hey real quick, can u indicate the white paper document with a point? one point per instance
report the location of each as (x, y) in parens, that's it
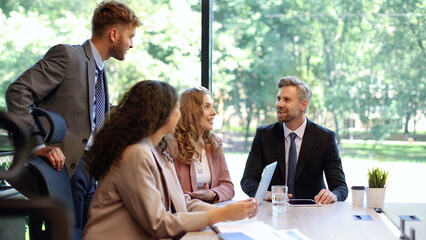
(256, 230)
(291, 234)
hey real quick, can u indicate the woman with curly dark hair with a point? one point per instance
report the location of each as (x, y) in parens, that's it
(138, 195)
(197, 152)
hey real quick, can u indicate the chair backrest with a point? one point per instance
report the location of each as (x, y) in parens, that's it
(39, 178)
(49, 192)
(57, 127)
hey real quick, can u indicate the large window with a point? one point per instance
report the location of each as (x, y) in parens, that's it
(166, 48)
(365, 61)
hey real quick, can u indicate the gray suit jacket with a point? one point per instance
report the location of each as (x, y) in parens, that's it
(62, 82)
(318, 155)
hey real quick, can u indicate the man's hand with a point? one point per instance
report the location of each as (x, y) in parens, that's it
(268, 196)
(325, 197)
(55, 156)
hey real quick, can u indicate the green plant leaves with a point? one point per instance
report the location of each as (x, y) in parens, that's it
(377, 177)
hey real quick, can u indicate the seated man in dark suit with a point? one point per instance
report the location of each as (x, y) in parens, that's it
(304, 150)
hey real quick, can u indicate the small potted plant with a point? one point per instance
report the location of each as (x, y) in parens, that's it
(377, 182)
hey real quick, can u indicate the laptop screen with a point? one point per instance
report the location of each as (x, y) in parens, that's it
(264, 182)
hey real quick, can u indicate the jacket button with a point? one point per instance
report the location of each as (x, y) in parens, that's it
(72, 165)
(85, 141)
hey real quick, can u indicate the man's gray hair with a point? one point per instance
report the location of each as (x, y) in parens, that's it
(303, 89)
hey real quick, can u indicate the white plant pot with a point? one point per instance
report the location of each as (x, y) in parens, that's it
(375, 197)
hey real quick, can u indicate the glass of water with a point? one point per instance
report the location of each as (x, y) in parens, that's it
(279, 199)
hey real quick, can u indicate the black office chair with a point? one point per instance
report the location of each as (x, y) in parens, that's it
(38, 178)
(48, 191)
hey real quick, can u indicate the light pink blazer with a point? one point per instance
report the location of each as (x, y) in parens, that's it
(133, 200)
(220, 180)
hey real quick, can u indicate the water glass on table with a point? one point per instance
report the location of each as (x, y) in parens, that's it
(279, 199)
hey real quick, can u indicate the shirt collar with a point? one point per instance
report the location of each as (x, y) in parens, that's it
(299, 131)
(97, 56)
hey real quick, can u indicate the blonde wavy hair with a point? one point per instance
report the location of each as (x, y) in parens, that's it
(189, 129)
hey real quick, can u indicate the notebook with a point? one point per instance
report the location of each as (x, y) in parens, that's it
(264, 182)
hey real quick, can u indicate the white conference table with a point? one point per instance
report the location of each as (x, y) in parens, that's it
(337, 221)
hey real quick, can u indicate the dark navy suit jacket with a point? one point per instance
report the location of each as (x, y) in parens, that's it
(318, 154)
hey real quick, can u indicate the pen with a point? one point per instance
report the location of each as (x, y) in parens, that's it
(253, 200)
(214, 229)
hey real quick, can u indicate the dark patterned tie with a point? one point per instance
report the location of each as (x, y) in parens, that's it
(99, 100)
(292, 162)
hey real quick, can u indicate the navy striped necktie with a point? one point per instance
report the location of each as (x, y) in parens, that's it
(99, 100)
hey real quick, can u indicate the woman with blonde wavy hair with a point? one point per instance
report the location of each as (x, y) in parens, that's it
(197, 152)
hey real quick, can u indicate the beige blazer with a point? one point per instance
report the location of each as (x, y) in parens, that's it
(133, 201)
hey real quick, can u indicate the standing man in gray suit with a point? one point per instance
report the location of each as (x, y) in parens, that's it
(70, 80)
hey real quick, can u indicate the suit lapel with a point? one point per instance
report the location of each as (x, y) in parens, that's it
(90, 74)
(279, 144)
(193, 177)
(308, 142)
(170, 183)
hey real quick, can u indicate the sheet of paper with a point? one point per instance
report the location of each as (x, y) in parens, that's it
(234, 236)
(291, 234)
(242, 226)
(256, 230)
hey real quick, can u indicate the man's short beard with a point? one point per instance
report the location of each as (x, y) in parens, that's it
(117, 50)
(286, 120)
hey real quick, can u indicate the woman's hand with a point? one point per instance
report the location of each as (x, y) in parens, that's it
(205, 194)
(234, 211)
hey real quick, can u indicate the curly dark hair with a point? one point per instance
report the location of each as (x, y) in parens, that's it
(144, 109)
(189, 129)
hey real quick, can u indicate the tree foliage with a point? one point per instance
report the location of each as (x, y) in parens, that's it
(363, 59)
(166, 48)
